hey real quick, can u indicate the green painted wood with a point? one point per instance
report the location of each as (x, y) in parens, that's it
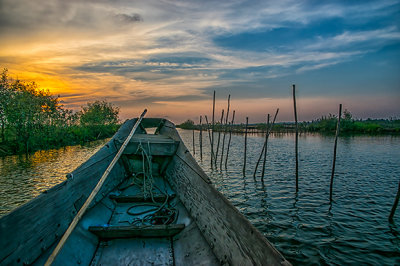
(139, 198)
(129, 231)
(156, 145)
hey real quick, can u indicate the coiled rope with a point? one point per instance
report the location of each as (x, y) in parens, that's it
(158, 212)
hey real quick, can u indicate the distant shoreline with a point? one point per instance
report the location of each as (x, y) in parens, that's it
(324, 126)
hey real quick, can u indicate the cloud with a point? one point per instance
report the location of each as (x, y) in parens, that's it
(371, 38)
(129, 18)
(150, 50)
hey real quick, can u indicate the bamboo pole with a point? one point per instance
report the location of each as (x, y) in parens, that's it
(265, 150)
(212, 136)
(334, 152)
(225, 131)
(209, 136)
(396, 202)
(245, 147)
(267, 131)
(85, 206)
(194, 150)
(296, 138)
(219, 138)
(201, 140)
(230, 137)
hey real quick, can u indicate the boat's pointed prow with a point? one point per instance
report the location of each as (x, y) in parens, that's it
(157, 206)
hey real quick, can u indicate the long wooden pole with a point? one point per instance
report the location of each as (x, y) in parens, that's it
(85, 206)
(265, 151)
(225, 131)
(296, 139)
(212, 135)
(267, 131)
(201, 140)
(219, 137)
(194, 149)
(245, 147)
(229, 141)
(209, 136)
(396, 202)
(334, 152)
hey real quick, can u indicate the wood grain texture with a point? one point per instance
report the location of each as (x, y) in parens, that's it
(232, 237)
(32, 228)
(130, 231)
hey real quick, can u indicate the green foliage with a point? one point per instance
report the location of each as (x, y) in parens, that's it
(33, 119)
(350, 126)
(188, 124)
(99, 113)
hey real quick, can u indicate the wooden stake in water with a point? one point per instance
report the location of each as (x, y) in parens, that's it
(265, 150)
(194, 150)
(225, 131)
(219, 137)
(201, 140)
(212, 135)
(334, 152)
(296, 139)
(230, 137)
(396, 202)
(245, 147)
(267, 131)
(209, 136)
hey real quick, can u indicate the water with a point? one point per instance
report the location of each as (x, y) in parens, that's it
(23, 178)
(305, 228)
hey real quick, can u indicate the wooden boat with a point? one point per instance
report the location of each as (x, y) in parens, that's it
(157, 207)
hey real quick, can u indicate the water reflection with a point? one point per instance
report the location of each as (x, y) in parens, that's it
(305, 227)
(24, 177)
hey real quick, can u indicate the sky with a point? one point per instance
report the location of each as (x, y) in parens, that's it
(169, 56)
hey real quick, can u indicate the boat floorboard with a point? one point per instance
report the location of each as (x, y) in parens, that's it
(136, 251)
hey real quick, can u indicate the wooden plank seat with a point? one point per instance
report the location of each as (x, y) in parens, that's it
(159, 145)
(130, 231)
(139, 198)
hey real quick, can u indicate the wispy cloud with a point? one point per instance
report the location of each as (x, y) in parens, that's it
(144, 50)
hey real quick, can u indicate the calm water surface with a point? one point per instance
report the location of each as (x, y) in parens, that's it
(305, 228)
(22, 177)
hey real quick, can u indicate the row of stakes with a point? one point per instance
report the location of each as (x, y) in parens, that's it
(227, 127)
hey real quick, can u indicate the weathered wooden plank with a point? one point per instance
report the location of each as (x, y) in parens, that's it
(152, 144)
(156, 149)
(190, 247)
(139, 198)
(232, 237)
(128, 231)
(32, 228)
(136, 251)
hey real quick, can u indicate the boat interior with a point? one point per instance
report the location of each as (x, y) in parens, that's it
(141, 221)
(156, 207)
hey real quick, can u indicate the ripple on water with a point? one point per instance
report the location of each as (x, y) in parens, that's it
(22, 177)
(306, 228)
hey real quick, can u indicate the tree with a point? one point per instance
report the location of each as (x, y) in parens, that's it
(99, 113)
(30, 110)
(4, 100)
(188, 124)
